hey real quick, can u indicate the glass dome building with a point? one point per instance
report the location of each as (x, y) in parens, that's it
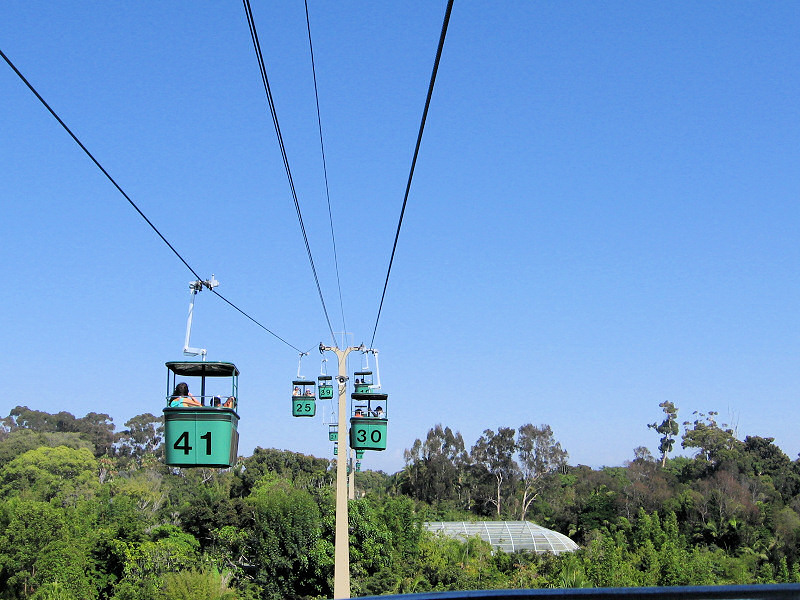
(508, 536)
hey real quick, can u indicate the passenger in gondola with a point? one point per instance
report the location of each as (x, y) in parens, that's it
(216, 401)
(229, 402)
(182, 397)
(309, 393)
(358, 413)
(378, 412)
(296, 391)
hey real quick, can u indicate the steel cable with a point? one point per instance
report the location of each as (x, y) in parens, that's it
(325, 167)
(414, 160)
(265, 80)
(128, 198)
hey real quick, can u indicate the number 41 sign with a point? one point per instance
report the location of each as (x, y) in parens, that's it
(201, 438)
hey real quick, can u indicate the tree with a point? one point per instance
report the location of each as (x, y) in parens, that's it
(539, 455)
(284, 539)
(370, 547)
(434, 468)
(47, 473)
(31, 526)
(306, 471)
(169, 550)
(22, 417)
(716, 443)
(19, 441)
(198, 585)
(668, 429)
(647, 485)
(494, 455)
(766, 457)
(96, 428)
(143, 436)
(66, 562)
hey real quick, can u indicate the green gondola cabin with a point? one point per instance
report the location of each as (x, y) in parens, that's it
(369, 422)
(202, 430)
(362, 382)
(304, 400)
(325, 387)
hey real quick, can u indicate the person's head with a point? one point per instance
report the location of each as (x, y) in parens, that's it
(216, 401)
(378, 409)
(182, 389)
(358, 412)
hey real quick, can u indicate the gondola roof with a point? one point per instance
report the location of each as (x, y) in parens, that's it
(203, 368)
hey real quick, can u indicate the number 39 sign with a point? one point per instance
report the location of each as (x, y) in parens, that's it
(200, 437)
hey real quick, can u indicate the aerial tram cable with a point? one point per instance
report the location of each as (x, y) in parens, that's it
(325, 169)
(95, 161)
(130, 201)
(236, 308)
(414, 160)
(265, 81)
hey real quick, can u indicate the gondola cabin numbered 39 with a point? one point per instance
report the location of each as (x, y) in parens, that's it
(325, 387)
(201, 430)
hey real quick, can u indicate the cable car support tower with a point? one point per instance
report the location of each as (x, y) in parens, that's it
(341, 569)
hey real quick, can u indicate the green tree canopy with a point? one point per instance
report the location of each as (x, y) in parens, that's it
(48, 473)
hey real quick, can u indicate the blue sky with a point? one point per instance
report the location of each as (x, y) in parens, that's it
(604, 213)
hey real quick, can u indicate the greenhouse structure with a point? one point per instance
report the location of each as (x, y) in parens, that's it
(508, 536)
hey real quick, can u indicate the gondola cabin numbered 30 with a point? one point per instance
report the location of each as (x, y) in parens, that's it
(304, 400)
(201, 428)
(369, 421)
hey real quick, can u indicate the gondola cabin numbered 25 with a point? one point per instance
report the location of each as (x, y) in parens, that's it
(201, 428)
(369, 421)
(304, 400)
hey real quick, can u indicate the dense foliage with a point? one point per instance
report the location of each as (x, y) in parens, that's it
(87, 512)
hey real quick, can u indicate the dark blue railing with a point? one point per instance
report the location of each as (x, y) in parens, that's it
(783, 591)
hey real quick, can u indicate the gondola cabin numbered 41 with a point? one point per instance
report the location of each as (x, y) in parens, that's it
(369, 422)
(201, 430)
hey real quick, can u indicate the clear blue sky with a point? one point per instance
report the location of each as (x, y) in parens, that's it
(604, 214)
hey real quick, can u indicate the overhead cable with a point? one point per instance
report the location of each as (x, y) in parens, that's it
(95, 161)
(128, 198)
(325, 167)
(232, 305)
(414, 160)
(265, 81)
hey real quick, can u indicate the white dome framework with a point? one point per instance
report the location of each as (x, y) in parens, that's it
(508, 536)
